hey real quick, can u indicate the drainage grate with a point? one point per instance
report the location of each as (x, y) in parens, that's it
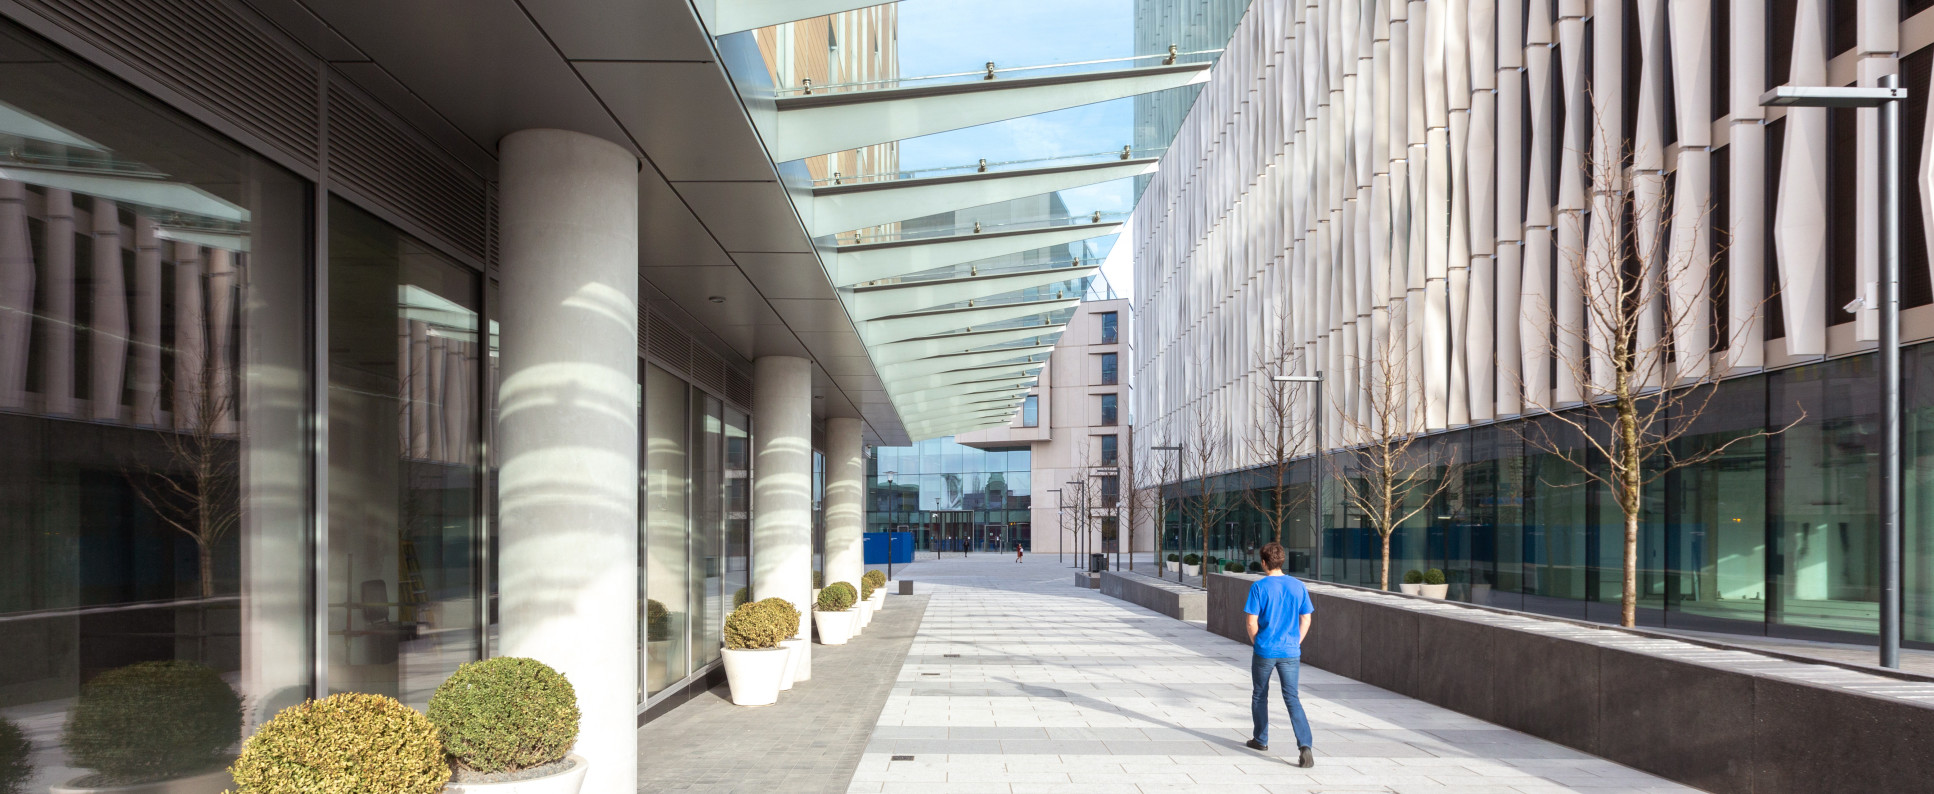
(903, 758)
(950, 656)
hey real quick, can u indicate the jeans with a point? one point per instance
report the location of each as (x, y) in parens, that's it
(1285, 669)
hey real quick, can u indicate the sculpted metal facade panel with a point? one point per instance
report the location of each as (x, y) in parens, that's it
(1427, 177)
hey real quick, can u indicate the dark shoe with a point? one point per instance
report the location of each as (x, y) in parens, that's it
(1256, 745)
(1304, 758)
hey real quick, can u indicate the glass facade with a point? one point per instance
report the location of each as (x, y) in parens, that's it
(1109, 369)
(1110, 328)
(1779, 535)
(1109, 409)
(1110, 450)
(155, 392)
(951, 497)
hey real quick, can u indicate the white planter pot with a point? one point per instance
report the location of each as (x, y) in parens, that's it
(205, 783)
(1191, 570)
(835, 628)
(795, 649)
(1436, 590)
(754, 675)
(866, 613)
(1411, 589)
(568, 781)
(879, 599)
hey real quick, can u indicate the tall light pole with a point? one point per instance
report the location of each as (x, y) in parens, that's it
(1080, 506)
(1316, 474)
(889, 529)
(1887, 98)
(1060, 519)
(1161, 512)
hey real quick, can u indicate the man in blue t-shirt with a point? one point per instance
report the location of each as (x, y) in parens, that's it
(1279, 612)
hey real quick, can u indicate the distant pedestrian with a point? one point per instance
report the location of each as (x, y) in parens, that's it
(1017, 551)
(1279, 612)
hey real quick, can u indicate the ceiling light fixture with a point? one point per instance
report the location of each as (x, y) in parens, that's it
(717, 299)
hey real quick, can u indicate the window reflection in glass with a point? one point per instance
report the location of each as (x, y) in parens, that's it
(708, 502)
(1031, 411)
(153, 391)
(1110, 333)
(666, 609)
(404, 424)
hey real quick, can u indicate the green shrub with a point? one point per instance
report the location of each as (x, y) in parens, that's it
(866, 589)
(785, 613)
(505, 714)
(15, 767)
(1255, 567)
(742, 597)
(1192, 559)
(753, 627)
(1434, 576)
(1232, 567)
(819, 579)
(836, 597)
(153, 721)
(1413, 576)
(1173, 557)
(343, 744)
(658, 622)
(878, 579)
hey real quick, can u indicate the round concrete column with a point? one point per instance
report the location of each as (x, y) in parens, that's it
(782, 482)
(845, 502)
(568, 430)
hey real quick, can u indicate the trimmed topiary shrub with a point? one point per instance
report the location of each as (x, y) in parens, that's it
(755, 626)
(1255, 567)
(1192, 559)
(836, 597)
(819, 579)
(878, 579)
(505, 714)
(153, 721)
(1413, 576)
(1433, 576)
(15, 767)
(1173, 557)
(866, 589)
(1232, 567)
(658, 622)
(785, 613)
(343, 744)
(742, 597)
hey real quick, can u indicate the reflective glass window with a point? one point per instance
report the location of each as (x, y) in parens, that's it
(1108, 375)
(154, 395)
(1108, 409)
(1031, 411)
(666, 612)
(1110, 452)
(1110, 333)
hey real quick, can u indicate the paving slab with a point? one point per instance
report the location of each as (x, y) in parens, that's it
(1016, 682)
(811, 741)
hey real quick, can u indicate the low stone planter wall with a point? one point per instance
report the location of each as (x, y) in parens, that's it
(1091, 581)
(1718, 719)
(1169, 598)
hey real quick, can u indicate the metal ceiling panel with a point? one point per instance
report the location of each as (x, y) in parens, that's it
(711, 140)
(671, 234)
(746, 216)
(622, 30)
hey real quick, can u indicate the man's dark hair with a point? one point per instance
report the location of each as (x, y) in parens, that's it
(1273, 556)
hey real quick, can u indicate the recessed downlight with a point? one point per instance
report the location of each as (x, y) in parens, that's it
(717, 299)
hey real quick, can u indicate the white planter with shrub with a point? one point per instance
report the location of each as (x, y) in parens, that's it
(755, 661)
(834, 615)
(795, 647)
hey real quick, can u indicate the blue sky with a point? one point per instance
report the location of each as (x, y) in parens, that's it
(946, 36)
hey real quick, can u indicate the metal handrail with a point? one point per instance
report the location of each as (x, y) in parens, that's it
(982, 166)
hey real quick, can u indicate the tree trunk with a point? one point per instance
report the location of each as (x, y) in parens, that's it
(1630, 601)
(207, 556)
(1383, 575)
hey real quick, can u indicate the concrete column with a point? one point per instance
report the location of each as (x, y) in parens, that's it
(782, 480)
(845, 501)
(568, 430)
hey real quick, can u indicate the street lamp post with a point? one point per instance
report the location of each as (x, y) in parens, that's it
(1060, 518)
(1886, 98)
(1316, 475)
(1161, 513)
(889, 530)
(1080, 506)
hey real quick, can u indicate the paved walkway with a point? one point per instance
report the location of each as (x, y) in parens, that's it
(1020, 682)
(808, 742)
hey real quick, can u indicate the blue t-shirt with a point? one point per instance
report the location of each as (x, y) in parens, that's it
(1278, 602)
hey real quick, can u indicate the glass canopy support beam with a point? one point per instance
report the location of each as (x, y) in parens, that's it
(872, 303)
(924, 324)
(949, 363)
(854, 265)
(925, 388)
(838, 208)
(915, 349)
(816, 124)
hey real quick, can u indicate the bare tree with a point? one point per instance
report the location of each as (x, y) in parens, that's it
(1393, 463)
(1144, 483)
(195, 487)
(1279, 432)
(1202, 458)
(1645, 368)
